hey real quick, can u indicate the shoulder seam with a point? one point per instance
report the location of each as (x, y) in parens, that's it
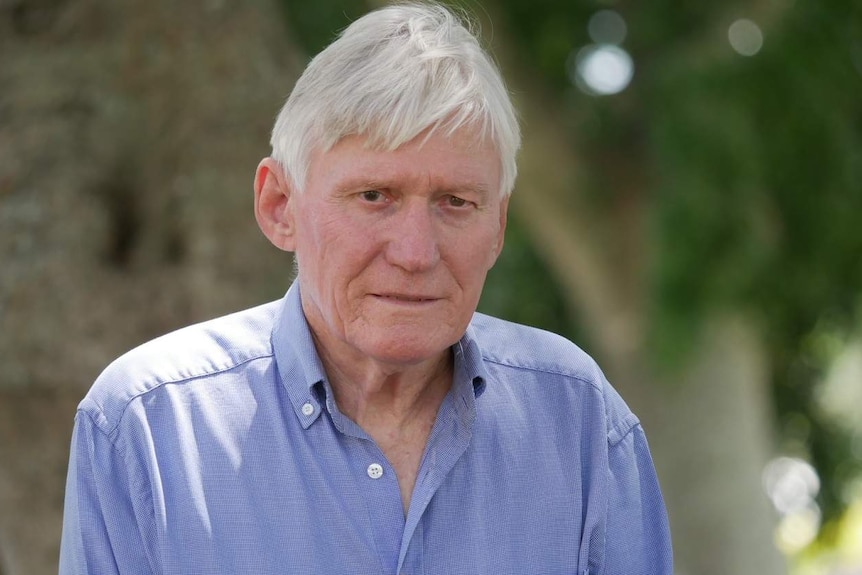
(98, 429)
(625, 427)
(589, 381)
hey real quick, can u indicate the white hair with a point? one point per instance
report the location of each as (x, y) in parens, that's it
(389, 76)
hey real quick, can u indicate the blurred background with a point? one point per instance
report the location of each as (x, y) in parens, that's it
(688, 211)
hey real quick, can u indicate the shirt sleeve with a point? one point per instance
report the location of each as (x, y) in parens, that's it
(101, 530)
(638, 536)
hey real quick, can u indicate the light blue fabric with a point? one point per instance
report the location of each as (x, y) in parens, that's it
(219, 449)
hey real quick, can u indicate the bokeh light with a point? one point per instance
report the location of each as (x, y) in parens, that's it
(792, 484)
(607, 27)
(602, 69)
(796, 531)
(745, 37)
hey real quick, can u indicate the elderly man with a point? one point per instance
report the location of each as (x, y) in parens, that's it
(371, 421)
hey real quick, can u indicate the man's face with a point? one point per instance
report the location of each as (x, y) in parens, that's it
(393, 247)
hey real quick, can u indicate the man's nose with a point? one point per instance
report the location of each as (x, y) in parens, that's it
(413, 244)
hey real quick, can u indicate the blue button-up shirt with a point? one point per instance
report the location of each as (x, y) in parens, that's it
(219, 449)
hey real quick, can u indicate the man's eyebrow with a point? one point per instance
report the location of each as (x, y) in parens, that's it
(359, 183)
(476, 188)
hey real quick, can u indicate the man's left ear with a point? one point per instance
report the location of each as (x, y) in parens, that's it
(272, 205)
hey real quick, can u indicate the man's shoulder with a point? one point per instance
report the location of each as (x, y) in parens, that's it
(563, 370)
(189, 353)
(524, 347)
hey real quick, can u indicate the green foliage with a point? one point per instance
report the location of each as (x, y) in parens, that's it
(806, 430)
(316, 24)
(760, 201)
(547, 31)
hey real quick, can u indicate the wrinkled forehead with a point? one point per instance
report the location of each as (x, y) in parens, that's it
(470, 138)
(463, 158)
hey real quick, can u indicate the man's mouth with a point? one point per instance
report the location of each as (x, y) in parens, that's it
(405, 298)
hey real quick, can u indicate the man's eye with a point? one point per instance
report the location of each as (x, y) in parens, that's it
(371, 196)
(457, 202)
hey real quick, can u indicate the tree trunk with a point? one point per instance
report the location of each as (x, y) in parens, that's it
(130, 134)
(709, 426)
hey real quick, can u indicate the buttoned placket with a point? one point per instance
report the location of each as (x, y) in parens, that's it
(399, 538)
(376, 482)
(449, 439)
(379, 486)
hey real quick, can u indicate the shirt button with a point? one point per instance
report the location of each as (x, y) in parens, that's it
(307, 409)
(375, 471)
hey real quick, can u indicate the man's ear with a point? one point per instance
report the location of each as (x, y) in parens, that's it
(273, 208)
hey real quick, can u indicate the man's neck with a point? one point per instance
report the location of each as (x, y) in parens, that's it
(379, 396)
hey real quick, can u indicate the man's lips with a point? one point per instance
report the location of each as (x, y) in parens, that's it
(406, 298)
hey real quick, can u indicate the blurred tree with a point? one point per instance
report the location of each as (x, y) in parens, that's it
(129, 134)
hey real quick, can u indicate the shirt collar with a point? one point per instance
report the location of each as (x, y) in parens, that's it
(469, 361)
(300, 368)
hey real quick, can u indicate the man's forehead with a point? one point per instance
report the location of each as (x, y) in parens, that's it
(439, 162)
